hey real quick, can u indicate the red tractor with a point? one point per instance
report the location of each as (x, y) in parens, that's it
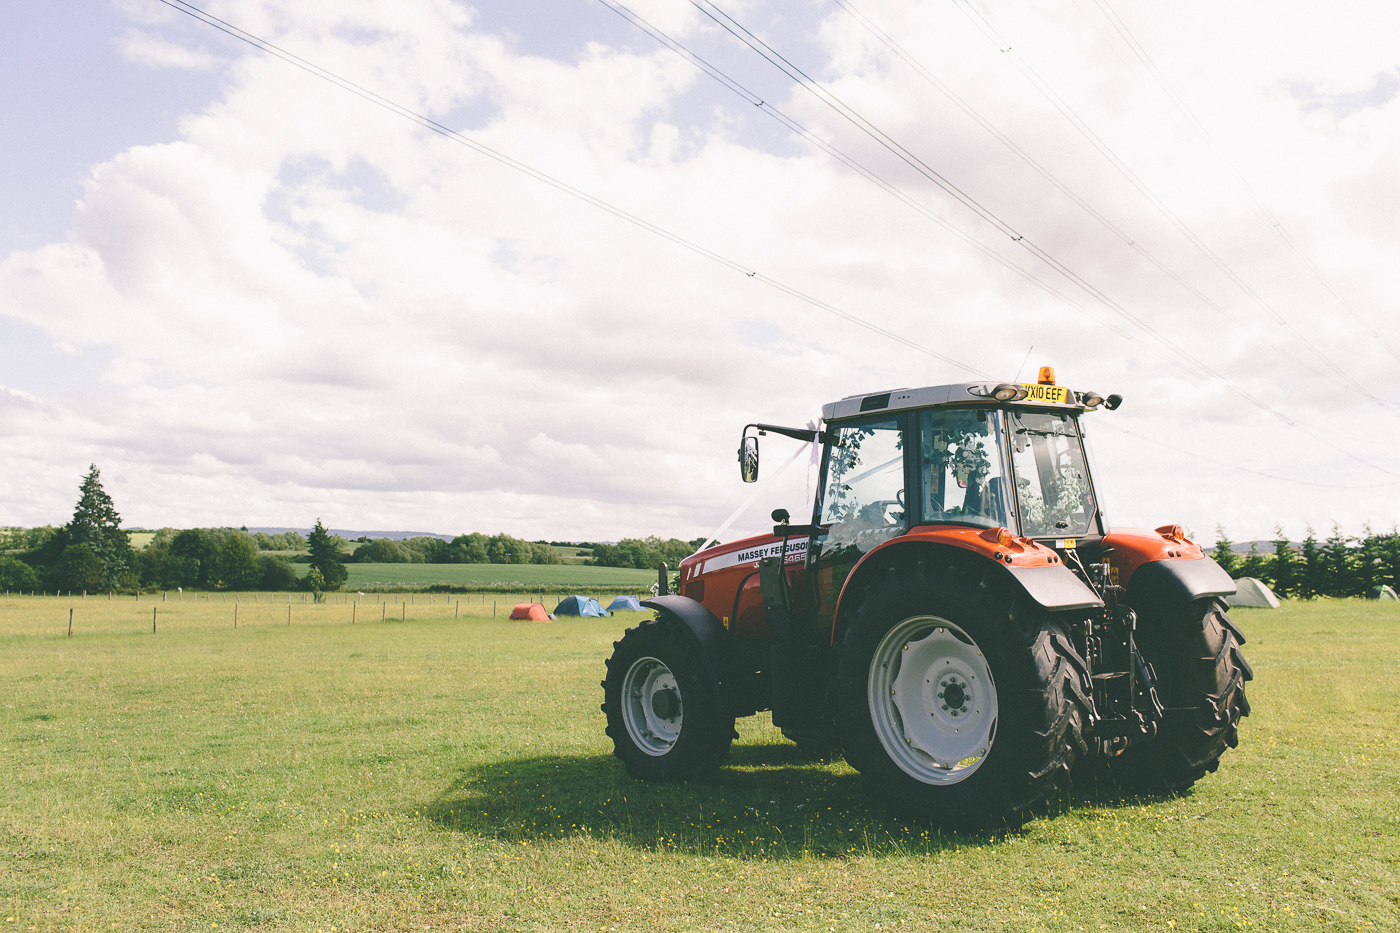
(958, 618)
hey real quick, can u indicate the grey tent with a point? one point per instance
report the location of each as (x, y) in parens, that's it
(625, 604)
(1253, 593)
(579, 606)
(1382, 592)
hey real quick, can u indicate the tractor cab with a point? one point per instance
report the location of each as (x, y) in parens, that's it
(968, 458)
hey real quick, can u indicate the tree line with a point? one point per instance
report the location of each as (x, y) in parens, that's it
(93, 553)
(474, 548)
(1339, 565)
(643, 553)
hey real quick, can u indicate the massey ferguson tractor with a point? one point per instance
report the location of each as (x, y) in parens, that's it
(959, 618)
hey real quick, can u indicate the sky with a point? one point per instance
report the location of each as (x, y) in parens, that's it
(252, 297)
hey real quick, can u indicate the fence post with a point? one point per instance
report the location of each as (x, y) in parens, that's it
(383, 608)
(153, 619)
(70, 621)
(353, 608)
(289, 612)
(458, 611)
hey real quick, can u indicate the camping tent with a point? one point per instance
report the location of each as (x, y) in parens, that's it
(625, 604)
(1252, 593)
(579, 606)
(1382, 592)
(530, 612)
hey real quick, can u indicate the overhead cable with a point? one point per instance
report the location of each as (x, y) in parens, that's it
(1068, 112)
(502, 158)
(807, 83)
(1132, 243)
(1196, 128)
(462, 139)
(845, 159)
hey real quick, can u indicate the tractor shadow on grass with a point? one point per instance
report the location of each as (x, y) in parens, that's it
(768, 802)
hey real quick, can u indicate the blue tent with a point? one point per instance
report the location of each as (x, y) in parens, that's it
(625, 604)
(579, 606)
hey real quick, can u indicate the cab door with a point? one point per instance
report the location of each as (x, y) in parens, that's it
(861, 503)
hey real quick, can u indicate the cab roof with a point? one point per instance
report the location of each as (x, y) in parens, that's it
(958, 393)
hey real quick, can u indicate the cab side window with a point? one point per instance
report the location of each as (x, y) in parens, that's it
(863, 500)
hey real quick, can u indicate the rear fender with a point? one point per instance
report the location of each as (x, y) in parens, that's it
(1177, 581)
(1036, 569)
(1163, 567)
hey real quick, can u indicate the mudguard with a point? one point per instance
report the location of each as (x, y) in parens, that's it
(1037, 569)
(1055, 587)
(709, 634)
(1177, 581)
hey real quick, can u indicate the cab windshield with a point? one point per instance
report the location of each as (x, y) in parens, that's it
(1052, 481)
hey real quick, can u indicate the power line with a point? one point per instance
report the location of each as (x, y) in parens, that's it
(870, 175)
(1068, 112)
(919, 68)
(803, 80)
(427, 123)
(453, 135)
(1196, 455)
(1195, 127)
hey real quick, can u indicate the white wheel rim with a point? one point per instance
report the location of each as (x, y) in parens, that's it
(649, 694)
(933, 700)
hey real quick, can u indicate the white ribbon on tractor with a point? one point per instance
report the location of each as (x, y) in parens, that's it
(744, 506)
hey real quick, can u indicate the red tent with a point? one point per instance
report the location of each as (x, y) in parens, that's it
(530, 612)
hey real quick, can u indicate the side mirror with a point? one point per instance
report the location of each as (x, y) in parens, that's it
(748, 459)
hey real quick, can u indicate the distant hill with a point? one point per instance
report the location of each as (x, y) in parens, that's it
(1265, 547)
(352, 534)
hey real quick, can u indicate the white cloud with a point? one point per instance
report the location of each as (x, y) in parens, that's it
(314, 308)
(156, 52)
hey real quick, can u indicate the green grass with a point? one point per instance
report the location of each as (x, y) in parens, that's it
(554, 578)
(442, 773)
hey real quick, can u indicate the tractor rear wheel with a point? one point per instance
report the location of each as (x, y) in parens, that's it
(1195, 654)
(664, 712)
(960, 700)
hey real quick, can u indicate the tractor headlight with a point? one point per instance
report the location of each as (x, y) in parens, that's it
(1090, 399)
(1007, 392)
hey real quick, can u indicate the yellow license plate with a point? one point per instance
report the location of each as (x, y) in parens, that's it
(1048, 395)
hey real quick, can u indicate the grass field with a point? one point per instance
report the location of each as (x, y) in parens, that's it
(553, 578)
(440, 773)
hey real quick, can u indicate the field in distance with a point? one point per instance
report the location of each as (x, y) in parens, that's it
(554, 578)
(450, 771)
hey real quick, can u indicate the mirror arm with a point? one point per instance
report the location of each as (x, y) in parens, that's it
(797, 434)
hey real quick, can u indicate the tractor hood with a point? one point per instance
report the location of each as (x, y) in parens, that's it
(746, 551)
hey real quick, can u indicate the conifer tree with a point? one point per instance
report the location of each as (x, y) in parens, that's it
(1285, 565)
(325, 557)
(1313, 579)
(95, 530)
(1338, 563)
(1224, 553)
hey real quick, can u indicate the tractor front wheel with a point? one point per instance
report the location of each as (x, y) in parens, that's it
(664, 713)
(957, 701)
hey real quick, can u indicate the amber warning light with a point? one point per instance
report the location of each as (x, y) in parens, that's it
(1047, 376)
